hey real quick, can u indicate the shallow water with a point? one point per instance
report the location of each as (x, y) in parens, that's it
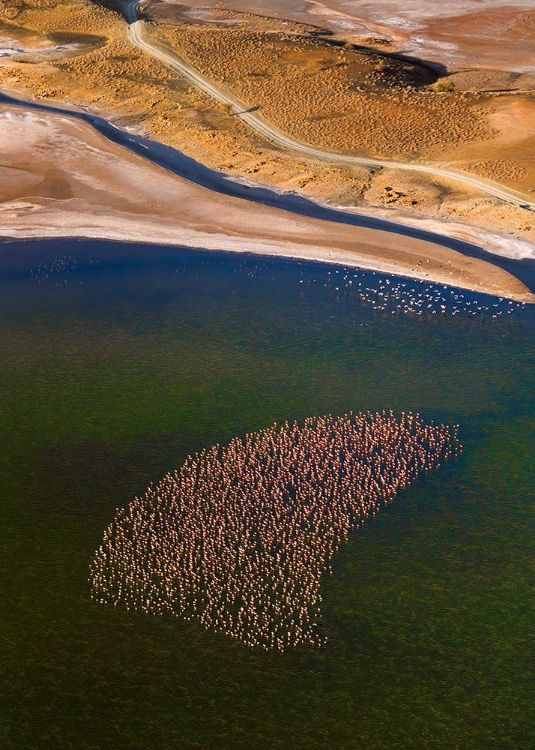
(117, 362)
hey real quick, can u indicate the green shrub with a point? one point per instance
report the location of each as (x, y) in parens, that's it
(444, 86)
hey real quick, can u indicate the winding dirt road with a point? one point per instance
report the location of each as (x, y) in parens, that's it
(137, 36)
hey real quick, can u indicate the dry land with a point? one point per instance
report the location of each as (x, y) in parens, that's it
(337, 87)
(496, 35)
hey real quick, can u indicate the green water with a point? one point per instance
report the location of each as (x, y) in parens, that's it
(146, 355)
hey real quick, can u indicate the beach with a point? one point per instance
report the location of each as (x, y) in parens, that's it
(63, 179)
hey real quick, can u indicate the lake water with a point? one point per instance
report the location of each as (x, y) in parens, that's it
(118, 361)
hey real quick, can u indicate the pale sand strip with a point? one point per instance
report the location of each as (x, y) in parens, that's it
(60, 178)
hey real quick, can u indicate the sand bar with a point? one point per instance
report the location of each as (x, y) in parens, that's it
(60, 178)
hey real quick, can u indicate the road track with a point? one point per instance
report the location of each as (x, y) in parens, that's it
(137, 36)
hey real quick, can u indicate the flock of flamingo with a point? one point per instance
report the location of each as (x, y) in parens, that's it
(240, 537)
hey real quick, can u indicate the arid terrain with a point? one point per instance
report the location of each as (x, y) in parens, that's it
(458, 34)
(338, 80)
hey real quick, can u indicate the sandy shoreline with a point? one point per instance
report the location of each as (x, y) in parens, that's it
(77, 225)
(62, 179)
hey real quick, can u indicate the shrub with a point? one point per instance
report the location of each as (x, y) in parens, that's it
(444, 86)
